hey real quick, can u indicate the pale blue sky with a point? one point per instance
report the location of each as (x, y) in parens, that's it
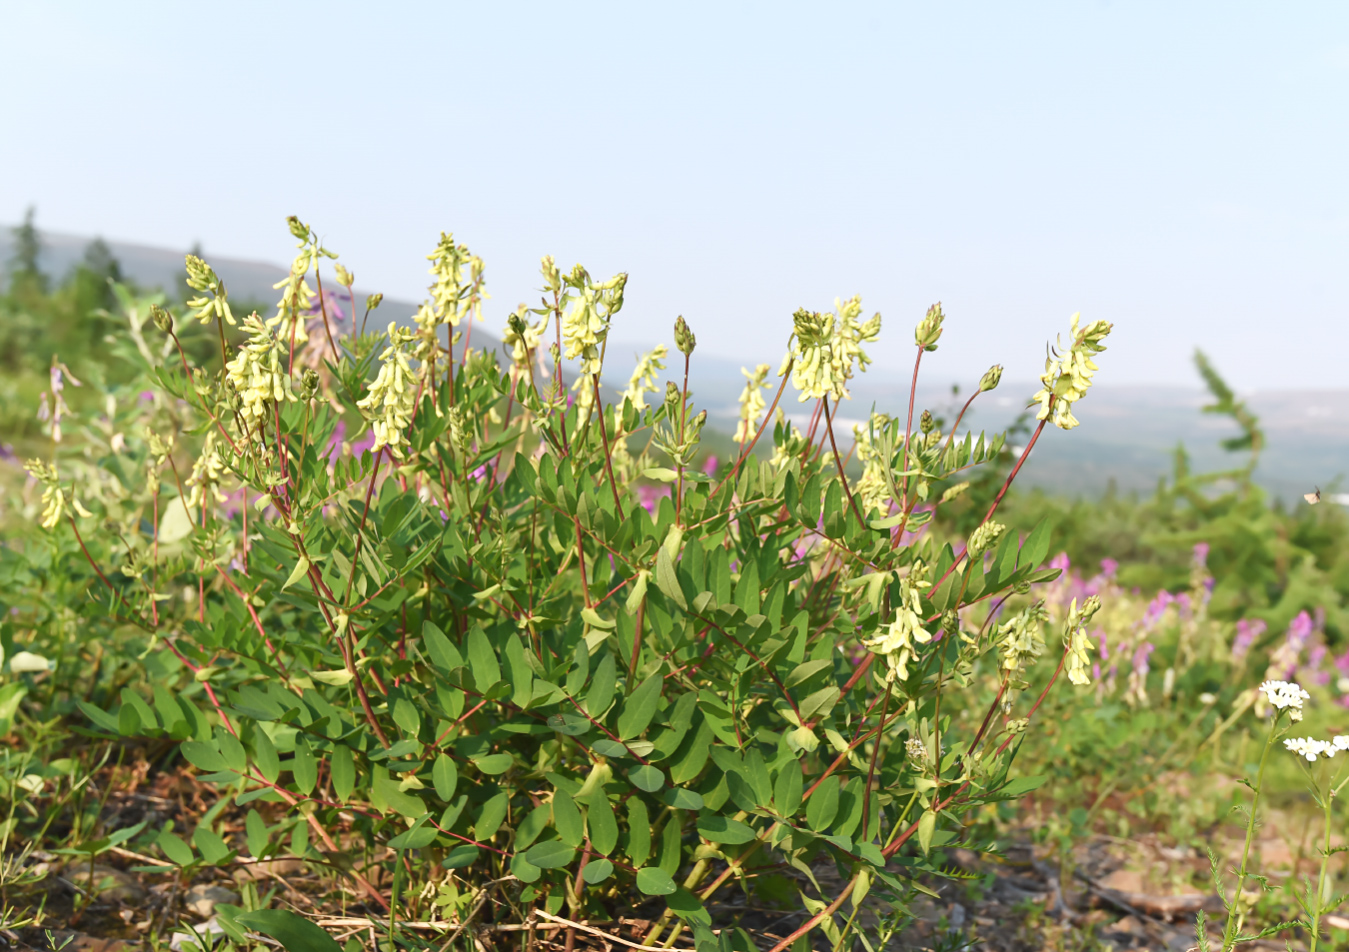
(1179, 169)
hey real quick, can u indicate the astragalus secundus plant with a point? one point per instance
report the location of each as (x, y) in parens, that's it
(539, 651)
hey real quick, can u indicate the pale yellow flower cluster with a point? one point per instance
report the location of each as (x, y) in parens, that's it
(207, 472)
(827, 347)
(1022, 638)
(522, 337)
(255, 372)
(872, 489)
(1076, 640)
(392, 397)
(584, 328)
(200, 277)
(751, 402)
(298, 296)
(643, 379)
(585, 325)
(1068, 378)
(55, 500)
(792, 447)
(899, 640)
(453, 297)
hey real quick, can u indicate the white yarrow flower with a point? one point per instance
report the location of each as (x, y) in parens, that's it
(1284, 694)
(1311, 748)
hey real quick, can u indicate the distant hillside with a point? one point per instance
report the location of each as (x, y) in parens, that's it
(1128, 434)
(1127, 437)
(162, 268)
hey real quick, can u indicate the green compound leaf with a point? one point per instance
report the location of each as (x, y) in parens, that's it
(304, 767)
(294, 932)
(405, 803)
(682, 799)
(667, 581)
(597, 871)
(640, 707)
(465, 854)
(721, 829)
(654, 881)
(445, 776)
(494, 764)
(178, 852)
(647, 778)
(550, 854)
(414, 839)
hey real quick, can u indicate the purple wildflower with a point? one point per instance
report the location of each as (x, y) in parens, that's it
(335, 444)
(1201, 554)
(330, 303)
(650, 496)
(1299, 630)
(1156, 609)
(363, 444)
(1109, 567)
(1312, 669)
(1141, 656)
(1247, 632)
(710, 466)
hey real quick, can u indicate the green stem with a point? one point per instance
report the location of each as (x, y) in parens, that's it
(1235, 916)
(393, 902)
(1327, 799)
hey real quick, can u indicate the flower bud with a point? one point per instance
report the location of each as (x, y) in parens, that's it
(985, 537)
(298, 228)
(344, 277)
(950, 623)
(1022, 587)
(372, 302)
(916, 751)
(552, 280)
(685, 341)
(991, 379)
(163, 319)
(309, 384)
(926, 422)
(928, 331)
